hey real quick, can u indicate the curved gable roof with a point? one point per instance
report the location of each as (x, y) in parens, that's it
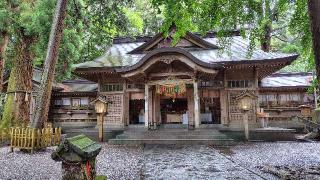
(167, 51)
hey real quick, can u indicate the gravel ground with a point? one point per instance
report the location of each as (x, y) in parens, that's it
(20, 165)
(248, 161)
(120, 162)
(277, 154)
(291, 160)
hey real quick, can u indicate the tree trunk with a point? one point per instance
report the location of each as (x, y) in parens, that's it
(17, 107)
(266, 38)
(4, 39)
(44, 94)
(314, 13)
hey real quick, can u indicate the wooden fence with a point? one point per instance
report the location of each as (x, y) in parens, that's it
(33, 139)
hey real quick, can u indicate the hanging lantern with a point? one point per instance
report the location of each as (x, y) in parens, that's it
(100, 107)
(246, 100)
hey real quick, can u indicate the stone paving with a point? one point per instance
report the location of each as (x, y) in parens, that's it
(191, 162)
(247, 161)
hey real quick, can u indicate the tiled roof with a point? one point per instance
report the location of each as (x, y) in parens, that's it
(117, 55)
(79, 86)
(287, 80)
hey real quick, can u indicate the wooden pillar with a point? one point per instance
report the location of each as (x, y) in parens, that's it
(157, 108)
(150, 106)
(224, 106)
(256, 86)
(125, 108)
(246, 125)
(190, 107)
(196, 105)
(100, 124)
(146, 105)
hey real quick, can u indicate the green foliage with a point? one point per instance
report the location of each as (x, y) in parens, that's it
(135, 19)
(205, 15)
(252, 17)
(152, 19)
(90, 26)
(300, 25)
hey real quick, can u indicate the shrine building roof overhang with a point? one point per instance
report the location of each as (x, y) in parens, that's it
(161, 55)
(126, 57)
(171, 52)
(264, 67)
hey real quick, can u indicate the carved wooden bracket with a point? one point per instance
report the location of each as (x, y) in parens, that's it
(168, 59)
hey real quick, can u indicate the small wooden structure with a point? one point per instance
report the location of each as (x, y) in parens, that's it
(33, 139)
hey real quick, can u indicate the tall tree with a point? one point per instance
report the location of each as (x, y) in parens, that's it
(314, 13)
(23, 20)
(4, 36)
(4, 39)
(44, 93)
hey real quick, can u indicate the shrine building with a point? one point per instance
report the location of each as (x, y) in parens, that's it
(151, 82)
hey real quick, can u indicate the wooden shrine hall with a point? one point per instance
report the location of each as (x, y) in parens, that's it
(150, 81)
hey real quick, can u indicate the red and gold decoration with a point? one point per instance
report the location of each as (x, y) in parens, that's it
(171, 90)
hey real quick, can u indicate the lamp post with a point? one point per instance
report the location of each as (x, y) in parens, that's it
(245, 102)
(101, 107)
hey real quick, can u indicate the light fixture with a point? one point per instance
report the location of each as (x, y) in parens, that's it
(100, 107)
(246, 101)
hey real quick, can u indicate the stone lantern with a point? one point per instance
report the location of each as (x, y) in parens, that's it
(245, 103)
(78, 155)
(101, 108)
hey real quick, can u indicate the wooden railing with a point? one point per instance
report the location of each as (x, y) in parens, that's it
(34, 139)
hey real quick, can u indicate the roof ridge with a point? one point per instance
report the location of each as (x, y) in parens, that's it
(281, 74)
(144, 38)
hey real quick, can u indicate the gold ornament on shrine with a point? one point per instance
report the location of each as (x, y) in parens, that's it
(171, 90)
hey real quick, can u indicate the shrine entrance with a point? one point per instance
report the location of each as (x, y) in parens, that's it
(171, 94)
(172, 101)
(174, 111)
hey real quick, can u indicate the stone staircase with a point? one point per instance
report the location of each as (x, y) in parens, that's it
(139, 135)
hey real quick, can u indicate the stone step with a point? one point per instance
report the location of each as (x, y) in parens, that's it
(123, 136)
(173, 133)
(216, 142)
(171, 130)
(174, 126)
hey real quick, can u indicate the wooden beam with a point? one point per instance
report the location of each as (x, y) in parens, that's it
(171, 74)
